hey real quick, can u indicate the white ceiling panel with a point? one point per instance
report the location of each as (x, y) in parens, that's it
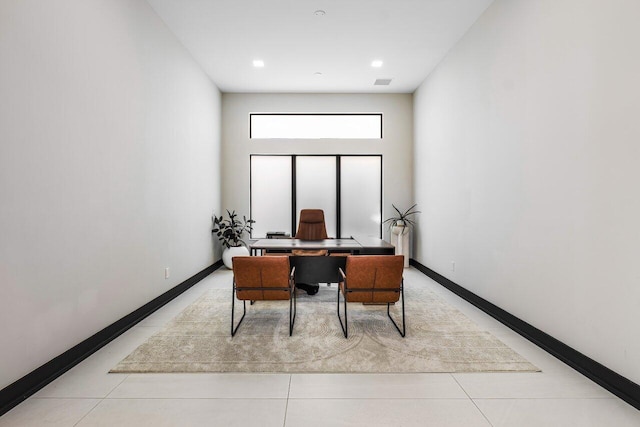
(295, 43)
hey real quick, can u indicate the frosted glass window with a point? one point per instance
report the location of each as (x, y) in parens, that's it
(270, 194)
(360, 201)
(315, 126)
(316, 188)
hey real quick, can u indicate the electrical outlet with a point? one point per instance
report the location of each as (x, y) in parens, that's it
(453, 266)
(166, 273)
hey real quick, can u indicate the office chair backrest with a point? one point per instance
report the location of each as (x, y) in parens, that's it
(370, 276)
(255, 277)
(311, 225)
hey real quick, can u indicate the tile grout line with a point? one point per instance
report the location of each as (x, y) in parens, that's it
(116, 386)
(286, 405)
(89, 411)
(472, 401)
(101, 400)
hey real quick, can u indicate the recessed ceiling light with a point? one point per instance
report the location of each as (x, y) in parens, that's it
(319, 12)
(258, 63)
(377, 63)
(317, 73)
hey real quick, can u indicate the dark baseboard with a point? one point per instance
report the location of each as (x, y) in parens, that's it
(622, 387)
(14, 394)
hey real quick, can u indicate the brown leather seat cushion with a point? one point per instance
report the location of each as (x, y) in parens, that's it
(309, 252)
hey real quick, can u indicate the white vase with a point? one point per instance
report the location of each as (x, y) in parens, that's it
(400, 239)
(229, 253)
(400, 229)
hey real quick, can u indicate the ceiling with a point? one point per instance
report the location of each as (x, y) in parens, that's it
(296, 42)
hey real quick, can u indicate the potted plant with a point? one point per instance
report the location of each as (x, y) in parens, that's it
(399, 226)
(401, 222)
(230, 232)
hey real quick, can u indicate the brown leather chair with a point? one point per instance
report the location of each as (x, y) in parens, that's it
(311, 227)
(262, 279)
(372, 279)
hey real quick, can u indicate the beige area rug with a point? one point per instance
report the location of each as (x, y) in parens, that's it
(439, 339)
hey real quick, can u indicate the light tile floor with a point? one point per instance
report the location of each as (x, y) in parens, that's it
(89, 396)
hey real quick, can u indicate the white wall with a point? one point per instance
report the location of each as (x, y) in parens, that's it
(527, 148)
(395, 147)
(109, 170)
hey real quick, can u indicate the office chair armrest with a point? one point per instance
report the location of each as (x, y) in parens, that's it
(344, 277)
(292, 278)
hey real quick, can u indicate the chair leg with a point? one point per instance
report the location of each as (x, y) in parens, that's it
(345, 327)
(292, 319)
(244, 311)
(403, 331)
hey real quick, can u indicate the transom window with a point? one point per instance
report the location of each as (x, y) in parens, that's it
(315, 126)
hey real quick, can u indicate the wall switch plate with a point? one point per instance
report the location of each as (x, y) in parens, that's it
(166, 273)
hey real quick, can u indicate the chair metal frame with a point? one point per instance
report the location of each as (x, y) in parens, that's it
(292, 301)
(345, 326)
